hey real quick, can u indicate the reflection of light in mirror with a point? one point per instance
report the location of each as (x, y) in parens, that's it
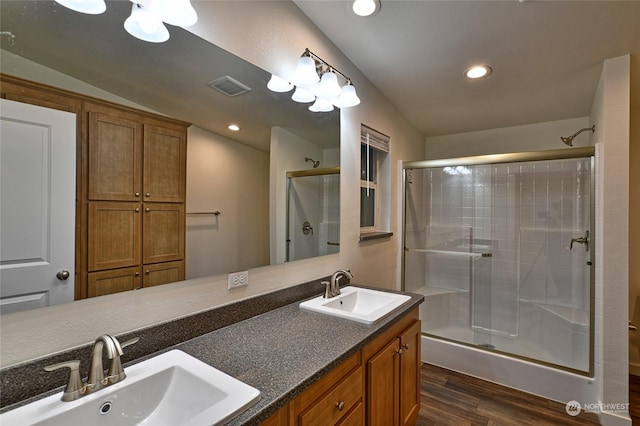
(92, 7)
(146, 26)
(279, 84)
(458, 170)
(321, 105)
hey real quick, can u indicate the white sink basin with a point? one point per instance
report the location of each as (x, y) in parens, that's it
(357, 304)
(170, 389)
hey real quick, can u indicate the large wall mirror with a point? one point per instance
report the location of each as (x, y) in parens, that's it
(275, 182)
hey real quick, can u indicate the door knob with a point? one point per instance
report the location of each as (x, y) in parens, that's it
(63, 275)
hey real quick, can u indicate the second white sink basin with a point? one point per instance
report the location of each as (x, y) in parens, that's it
(170, 389)
(357, 304)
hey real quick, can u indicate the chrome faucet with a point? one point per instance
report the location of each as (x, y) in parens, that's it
(96, 381)
(333, 287)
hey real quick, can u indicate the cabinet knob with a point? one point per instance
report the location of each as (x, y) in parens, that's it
(147, 210)
(340, 405)
(137, 274)
(147, 272)
(137, 194)
(406, 346)
(137, 209)
(148, 194)
(399, 352)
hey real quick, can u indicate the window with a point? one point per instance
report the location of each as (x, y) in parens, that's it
(374, 150)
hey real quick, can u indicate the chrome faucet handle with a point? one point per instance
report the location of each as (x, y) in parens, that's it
(327, 289)
(75, 388)
(116, 372)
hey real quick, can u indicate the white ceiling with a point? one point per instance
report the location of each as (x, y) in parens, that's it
(546, 56)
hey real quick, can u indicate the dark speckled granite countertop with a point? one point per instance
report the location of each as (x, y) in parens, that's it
(283, 351)
(280, 350)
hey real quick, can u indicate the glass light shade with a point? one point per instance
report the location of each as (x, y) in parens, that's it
(174, 12)
(329, 87)
(303, 95)
(92, 7)
(364, 7)
(321, 105)
(278, 84)
(348, 97)
(305, 71)
(146, 26)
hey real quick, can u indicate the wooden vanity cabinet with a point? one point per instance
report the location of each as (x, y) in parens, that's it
(392, 363)
(336, 399)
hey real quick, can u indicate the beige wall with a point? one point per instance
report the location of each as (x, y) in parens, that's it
(248, 30)
(232, 178)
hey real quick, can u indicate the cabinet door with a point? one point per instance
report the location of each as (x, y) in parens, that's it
(382, 386)
(165, 152)
(163, 273)
(115, 149)
(114, 235)
(114, 281)
(410, 374)
(163, 232)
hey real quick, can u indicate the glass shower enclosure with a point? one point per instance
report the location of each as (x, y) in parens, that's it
(313, 213)
(502, 248)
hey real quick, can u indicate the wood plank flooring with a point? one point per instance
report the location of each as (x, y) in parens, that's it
(634, 399)
(450, 398)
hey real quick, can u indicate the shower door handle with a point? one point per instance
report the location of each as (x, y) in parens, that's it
(581, 240)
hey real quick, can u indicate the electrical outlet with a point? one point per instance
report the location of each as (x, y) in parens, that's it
(238, 279)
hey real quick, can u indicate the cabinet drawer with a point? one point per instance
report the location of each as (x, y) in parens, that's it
(163, 273)
(330, 409)
(355, 416)
(114, 281)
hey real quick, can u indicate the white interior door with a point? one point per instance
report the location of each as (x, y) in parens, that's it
(37, 206)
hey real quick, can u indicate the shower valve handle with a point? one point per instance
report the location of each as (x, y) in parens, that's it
(581, 240)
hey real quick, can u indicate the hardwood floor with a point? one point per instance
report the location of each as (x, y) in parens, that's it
(634, 399)
(450, 398)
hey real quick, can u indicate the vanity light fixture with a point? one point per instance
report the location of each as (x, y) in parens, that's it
(233, 127)
(365, 7)
(478, 71)
(144, 25)
(324, 91)
(279, 84)
(147, 18)
(91, 7)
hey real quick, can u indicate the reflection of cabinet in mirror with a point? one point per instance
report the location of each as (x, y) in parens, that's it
(131, 184)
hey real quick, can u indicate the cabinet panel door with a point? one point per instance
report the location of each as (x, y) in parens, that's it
(165, 164)
(382, 386)
(114, 281)
(115, 149)
(410, 374)
(114, 235)
(163, 232)
(163, 273)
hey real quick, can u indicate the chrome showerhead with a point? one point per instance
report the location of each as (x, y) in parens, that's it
(568, 140)
(315, 163)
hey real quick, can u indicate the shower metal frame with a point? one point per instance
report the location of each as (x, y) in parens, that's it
(516, 157)
(327, 171)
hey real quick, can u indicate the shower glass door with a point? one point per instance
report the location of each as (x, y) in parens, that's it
(503, 254)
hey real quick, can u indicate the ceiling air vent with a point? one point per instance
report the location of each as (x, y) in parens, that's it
(229, 86)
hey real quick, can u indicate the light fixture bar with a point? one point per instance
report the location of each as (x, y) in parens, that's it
(325, 63)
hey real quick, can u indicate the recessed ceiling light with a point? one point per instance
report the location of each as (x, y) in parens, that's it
(233, 127)
(478, 71)
(366, 7)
